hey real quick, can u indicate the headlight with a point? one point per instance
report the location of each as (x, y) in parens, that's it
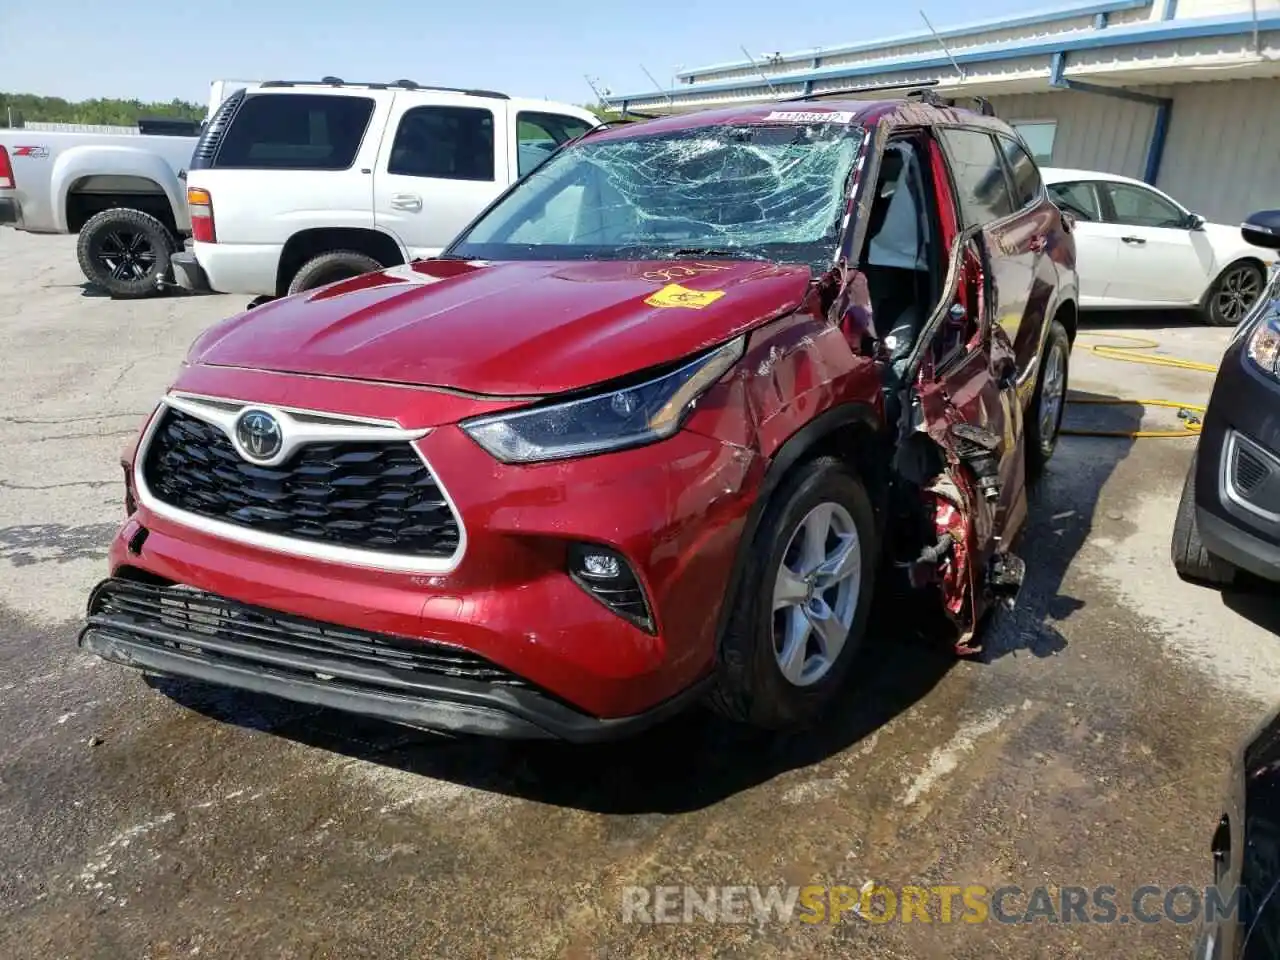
(1264, 344)
(628, 417)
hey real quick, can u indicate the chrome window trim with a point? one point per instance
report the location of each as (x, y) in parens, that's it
(1235, 441)
(324, 427)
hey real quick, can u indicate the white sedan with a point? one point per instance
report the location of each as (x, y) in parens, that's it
(1138, 247)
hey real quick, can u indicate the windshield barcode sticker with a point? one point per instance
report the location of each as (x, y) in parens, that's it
(794, 116)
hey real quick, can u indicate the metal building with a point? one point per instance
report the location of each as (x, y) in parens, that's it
(1182, 93)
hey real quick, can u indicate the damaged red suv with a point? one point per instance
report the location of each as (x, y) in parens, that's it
(646, 433)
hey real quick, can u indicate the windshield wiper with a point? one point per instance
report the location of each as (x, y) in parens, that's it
(732, 254)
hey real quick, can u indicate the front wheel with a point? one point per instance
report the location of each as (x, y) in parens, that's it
(1191, 560)
(1044, 418)
(1233, 294)
(125, 252)
(803, 601)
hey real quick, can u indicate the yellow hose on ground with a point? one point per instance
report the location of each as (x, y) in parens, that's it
(1191, 421)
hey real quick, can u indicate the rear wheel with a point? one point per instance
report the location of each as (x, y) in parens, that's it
(1233, 294)
(1044, 418)
(803, 601)
(330, 268)
(125, 252)
(1193, 562)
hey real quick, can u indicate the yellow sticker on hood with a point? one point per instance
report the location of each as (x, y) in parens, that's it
(674, 295)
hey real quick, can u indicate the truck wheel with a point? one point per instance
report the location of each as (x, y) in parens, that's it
(1044, 416)
(801, 608)
(330, 268)
(125, 252)
(1193, 562)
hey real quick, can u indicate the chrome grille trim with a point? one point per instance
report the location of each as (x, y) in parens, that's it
(1237, 444)
(303, 426)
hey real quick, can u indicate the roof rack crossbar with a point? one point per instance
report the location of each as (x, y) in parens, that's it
(377, 85)
(873, 88)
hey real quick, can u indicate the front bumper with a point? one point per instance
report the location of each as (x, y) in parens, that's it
(10, 212)
(188, 274)
(1238, 468)
(675, 511)
(178, 632)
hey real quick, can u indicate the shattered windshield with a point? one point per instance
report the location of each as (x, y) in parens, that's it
(770, 192)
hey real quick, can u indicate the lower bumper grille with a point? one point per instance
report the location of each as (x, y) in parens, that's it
(219, 629)
(1252, 476)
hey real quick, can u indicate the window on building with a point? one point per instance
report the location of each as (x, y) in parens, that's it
(982, 188)
(1038, 135)
(1139, 207)
(538, 135)
(1077, 198)
(295, 132)
(450, 143)
(1026, 178)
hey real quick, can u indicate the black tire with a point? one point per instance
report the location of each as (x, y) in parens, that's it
(1191, 560)
(125, 252)
(330, 268)
(749, 686)
(1233, 294)
(1041, 441)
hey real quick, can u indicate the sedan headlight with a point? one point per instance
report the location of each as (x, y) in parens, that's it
(627, 417)
(1263, 346)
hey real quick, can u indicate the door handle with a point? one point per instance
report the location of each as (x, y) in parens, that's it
(406, 201)
(1136, 241)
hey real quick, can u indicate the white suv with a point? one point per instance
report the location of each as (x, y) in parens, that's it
(298, 184)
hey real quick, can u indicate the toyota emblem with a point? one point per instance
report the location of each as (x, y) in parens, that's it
(258, 434)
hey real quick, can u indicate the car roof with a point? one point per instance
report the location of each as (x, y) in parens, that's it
(861, 112)
(1069, 175)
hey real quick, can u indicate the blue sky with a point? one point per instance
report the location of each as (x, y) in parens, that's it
(90, 48)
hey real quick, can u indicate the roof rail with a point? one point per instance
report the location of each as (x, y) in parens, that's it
(401, 84)
(913, 86)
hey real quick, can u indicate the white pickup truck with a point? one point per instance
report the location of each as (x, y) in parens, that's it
(298, 184)
(123, 193)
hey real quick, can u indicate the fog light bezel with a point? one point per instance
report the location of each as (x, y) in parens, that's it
(575, 563)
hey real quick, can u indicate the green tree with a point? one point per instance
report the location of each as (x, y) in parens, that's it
(33, 108)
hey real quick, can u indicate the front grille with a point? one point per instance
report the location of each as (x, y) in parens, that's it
(219, 629)
(369, 496)
(1251, 471)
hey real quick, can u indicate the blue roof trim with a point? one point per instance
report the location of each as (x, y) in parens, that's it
(1047, 15)
(1120, 36)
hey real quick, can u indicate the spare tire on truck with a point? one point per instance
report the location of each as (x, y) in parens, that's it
(125, 252)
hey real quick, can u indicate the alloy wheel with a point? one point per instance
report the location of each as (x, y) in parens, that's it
(126, 255)
(815, 594)
(1237, 292)
(1053, 391)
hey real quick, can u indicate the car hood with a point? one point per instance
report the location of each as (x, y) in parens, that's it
(506, 329)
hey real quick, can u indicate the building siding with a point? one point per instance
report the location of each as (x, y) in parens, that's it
(1094, 132)
(1222, 158)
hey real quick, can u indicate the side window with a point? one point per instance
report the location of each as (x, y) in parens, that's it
(1077, 198)
(449, 143)
(981, 186)
(538, 135)
(1038, 135)
(295, 131)
(1026, 177)
(1136, 206)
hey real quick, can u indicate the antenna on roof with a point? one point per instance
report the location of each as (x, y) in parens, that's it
(942, 45)
(763, 76)
(657, 86)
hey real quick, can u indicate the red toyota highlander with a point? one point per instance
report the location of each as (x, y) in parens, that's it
(646, 433)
